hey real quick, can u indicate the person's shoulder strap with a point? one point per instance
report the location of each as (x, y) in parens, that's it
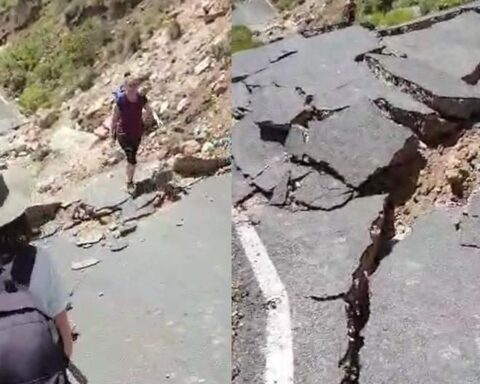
(143, 100)
(23, 264)
(120, 99)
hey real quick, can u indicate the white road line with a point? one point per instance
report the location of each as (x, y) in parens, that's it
(279, 348)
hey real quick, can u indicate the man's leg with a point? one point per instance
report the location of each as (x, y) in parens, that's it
(132, 161)
(130, 172)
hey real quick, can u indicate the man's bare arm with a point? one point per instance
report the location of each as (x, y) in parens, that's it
(63, 326)
(152, 115)
(114, 122)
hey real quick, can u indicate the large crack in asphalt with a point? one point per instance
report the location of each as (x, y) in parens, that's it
(357, 298)
(452, 112)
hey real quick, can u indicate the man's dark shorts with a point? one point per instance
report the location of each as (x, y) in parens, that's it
(130, 147)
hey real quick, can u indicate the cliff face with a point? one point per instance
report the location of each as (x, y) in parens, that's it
(18, 16)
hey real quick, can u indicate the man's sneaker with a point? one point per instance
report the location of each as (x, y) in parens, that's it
(130, 188)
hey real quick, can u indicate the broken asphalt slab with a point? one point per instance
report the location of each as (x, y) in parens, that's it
(247, 63)
(251, 154)
(460, 37)
(320, 248)
(424, 315)
(241, 188)
(315, 253)
(322, 191)
(164, 310)
(322, 63)
(106, 191)
(450, 96)
(276, 105)
(357, 142)
(240, 99)
(469, 224)
(327, 67)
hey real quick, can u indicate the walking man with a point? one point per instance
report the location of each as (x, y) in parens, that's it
(127, 124)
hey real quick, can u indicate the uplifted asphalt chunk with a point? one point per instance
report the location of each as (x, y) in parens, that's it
(276, 105)
(320, 248)
(402, 107)
(470, 232)
(280, 192)
(424, 311)
(272, 175)
(451, 46)
(315, 253)
(450, 96)
(322, 63)
(295, 142)
(249, 62)
(474, 205)
(322, 191)
(298, 171)
(252, 155)
(470, 223)
(241, 189)
(240, 99)
(357, 142)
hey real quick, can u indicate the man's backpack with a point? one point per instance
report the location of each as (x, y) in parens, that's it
(28, 353)
(118, 94)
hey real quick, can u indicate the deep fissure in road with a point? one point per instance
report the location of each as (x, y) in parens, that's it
(357, 298)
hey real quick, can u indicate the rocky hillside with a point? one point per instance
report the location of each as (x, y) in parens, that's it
(60, 60)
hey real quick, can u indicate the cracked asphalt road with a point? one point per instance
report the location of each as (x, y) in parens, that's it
(323, 126)
(157, 311)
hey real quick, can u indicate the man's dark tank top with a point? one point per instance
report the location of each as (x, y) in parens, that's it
(131, 123)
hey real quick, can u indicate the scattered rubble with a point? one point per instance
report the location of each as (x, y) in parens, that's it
(118, 245)
(79, 265)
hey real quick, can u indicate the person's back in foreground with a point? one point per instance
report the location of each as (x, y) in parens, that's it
(33, 318)
(127, 123)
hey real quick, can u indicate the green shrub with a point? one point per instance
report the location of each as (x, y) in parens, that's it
(398, 16)
(387, 13)
(242, 39)
(405, 3)
(446, 4)
(5, 4)
(48, 60)
(81, 45)
(373, 6)
(35, 96)
(391, 18)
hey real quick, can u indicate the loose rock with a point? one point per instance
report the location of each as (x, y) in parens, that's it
(77, 266)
